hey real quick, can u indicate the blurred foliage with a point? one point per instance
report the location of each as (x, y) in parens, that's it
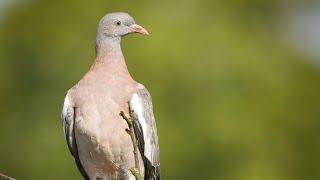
(233, 100)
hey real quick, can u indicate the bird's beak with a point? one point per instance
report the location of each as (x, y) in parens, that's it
(139, 29)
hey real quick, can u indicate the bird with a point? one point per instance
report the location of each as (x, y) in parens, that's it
(94, 131)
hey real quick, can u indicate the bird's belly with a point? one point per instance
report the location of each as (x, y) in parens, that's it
(105, 149)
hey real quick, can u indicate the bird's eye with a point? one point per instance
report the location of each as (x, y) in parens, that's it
(118, 23)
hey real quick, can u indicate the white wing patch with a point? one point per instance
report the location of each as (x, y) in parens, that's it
(136, 105)
(66, 105)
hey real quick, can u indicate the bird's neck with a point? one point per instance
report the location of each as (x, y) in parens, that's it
(108, 46)
(109, 57)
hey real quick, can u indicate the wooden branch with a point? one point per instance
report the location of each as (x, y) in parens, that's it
(130, 120)
(4, 177)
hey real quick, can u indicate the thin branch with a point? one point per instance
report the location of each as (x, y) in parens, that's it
(130, 120)
(4, 177)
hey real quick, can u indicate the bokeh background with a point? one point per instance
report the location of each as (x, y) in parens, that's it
(235, 84)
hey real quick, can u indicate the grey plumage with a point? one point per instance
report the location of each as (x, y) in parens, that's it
(93, 129)
(151, 159)
(68, 128)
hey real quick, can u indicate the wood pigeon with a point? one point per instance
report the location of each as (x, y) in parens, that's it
(95, 132)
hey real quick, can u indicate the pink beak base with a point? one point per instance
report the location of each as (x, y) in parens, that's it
(139, 29)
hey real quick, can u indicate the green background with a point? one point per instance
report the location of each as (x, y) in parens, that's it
(233, 99)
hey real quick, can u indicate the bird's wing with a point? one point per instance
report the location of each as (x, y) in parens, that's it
(146, 132)
(68, 122)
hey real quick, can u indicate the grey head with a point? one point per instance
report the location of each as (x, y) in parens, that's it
(119, 24)
(113, 26)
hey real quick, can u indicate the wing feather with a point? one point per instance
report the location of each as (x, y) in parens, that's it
(146, 133)
(67, 117)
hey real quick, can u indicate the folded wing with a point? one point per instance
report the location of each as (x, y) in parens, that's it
(146, 133)
(68, 122)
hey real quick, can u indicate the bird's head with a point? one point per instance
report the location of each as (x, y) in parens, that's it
(118, 25)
